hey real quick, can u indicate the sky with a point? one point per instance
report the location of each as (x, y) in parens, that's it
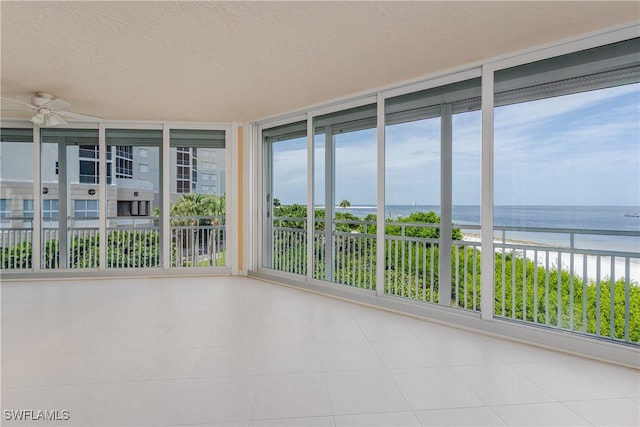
(579, 149)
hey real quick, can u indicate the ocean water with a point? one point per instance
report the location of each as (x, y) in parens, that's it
(615, 218)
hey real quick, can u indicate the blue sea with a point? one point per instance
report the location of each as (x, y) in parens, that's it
(616, 218)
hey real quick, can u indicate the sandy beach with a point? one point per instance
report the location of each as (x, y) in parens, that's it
(593, 264)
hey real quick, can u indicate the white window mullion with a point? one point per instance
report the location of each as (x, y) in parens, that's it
(36, 234)
(444, 258)
(380, 228)
(165, 200)
(486, 208)
(310, 199)
(102, 196)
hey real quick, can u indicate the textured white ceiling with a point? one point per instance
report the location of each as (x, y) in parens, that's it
(240, 61)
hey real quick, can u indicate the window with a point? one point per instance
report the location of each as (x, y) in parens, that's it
(432, 176)
(50, 209)
(345, 145)
(193, 196)
(5, 208)
(285, 196)
(5, 212)
(183, 163)
(144, 168)
(133, 208)
(182, 186)
(27, 208)
(88, 172)
(86, 208)
(89, 168)
(124, 162)
(144, 153)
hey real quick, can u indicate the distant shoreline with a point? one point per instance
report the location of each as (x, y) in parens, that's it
(578, 260)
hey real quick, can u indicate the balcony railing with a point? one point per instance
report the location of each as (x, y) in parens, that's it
(133, 243)
(15, 248)
(562, 286)
(198, 241)
(568, 285)
(290, 245)
(354, 253)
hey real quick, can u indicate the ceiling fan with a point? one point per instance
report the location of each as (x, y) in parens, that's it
(49, 110)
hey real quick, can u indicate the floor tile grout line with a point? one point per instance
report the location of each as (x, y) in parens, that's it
(182, 385)
(577, 413)
(255, 377)
(322, 373)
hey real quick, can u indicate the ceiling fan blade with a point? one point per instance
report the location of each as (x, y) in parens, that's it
(78, 116)
(55, 120)
(56, 104)
(29, 106)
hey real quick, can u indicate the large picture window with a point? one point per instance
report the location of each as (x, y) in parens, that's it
(198, 205)
(285, 198)
(564, 159)
(134, 199)
(567, 182)
(432, 153)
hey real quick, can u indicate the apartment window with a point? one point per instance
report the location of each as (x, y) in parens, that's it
(124, 162)
(89, 167)
(85, 208)
(144, 153)
(5, 208)
(183, 168)
(133, 208)
(144, 168)
(27, 208)
(5, 212)
(50, 209)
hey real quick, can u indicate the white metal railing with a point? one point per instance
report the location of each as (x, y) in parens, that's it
(131, 243)
(289, 250)
(198, 241)
(352, 261)
(15, 248)
(565, 286)
(133, 246)
(50, 248)
(559, 286)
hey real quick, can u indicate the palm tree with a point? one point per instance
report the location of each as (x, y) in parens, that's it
(195, 209)
(345, 204)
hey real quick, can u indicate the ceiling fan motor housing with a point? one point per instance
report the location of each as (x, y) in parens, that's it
(41, 99)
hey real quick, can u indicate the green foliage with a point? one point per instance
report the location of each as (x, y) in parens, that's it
(290, 211)
(197, 205)
(131, 248)
(421, 232)
(84, 252)
(411, 271)
(18, 256)
(557, 299)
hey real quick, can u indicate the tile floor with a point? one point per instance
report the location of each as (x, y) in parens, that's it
(241, 352)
